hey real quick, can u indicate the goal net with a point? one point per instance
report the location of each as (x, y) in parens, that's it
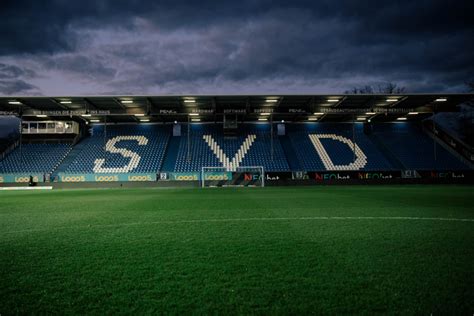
(241, 177)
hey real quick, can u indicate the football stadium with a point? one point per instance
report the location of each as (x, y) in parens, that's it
(235, 204)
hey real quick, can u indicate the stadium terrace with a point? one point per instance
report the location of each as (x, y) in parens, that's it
(230, 140)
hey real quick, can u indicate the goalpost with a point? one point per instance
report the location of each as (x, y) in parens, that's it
(253, 176)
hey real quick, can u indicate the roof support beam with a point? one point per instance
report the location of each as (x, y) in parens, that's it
(62, 106)
(339, 102)
(89, 103)
(119, 103)
(390, 106)
(24, 106)
(333, 106)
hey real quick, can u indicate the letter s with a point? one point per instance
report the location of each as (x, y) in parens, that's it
(110, 147)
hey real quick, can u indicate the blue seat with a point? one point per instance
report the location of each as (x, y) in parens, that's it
(150, 154)
(316, 146)
(258, 154)
(34, 158)
(415, 149)
(340, 153)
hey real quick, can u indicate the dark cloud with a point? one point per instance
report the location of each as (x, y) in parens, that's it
(17, 87)
(11, 81)
(43, 25)
(87, 67)
(132, 46)
(12, 72)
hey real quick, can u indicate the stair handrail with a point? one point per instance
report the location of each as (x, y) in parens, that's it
(466, 151)
(10, 149)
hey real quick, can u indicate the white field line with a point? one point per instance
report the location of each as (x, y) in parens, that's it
(250, 219)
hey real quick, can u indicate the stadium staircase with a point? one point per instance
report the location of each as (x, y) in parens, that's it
(290, 153)
(70, 157)
(414, 148)
(171, 154)
(391, 158)
(9, 149)
(448, 140)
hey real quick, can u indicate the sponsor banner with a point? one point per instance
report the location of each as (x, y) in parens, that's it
(300, 175)
(141, 177)
(71, 178)
(106, 177)
(73, 112)
(410, 174)
(184, 176)
(20, 178)
(384, 175)
(278, 176)
(378, 175)
(247, 178)
(447, 174)
(217, 175)
(212, 176)
(347, 175)
(235, 111)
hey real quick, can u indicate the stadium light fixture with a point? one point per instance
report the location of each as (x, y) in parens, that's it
(14, 102)
(176, 122)
(189, 101)
(86, 115)
(318, 113)
(391, 100)
(271, 100)
(283, 121)
(369, 120)
(412, 113)
(333, 100)
(441, 100)
(144, 120)
(65, 102)
(401, 119)
(370, 113)
(127, 101)
(41, 115)
(193, 114)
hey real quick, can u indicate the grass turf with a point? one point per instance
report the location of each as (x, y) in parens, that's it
(205, 251)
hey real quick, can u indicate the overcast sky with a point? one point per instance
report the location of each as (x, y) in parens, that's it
(94, 47)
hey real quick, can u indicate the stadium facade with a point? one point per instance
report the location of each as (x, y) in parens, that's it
(241, 139)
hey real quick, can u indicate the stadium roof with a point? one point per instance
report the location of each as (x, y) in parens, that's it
(212, 108)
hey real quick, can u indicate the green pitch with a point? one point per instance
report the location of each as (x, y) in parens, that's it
(363, 249)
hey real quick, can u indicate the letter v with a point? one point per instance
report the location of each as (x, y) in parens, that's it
(222, 157)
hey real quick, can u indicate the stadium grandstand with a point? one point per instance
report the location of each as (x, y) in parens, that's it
(173, 138)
